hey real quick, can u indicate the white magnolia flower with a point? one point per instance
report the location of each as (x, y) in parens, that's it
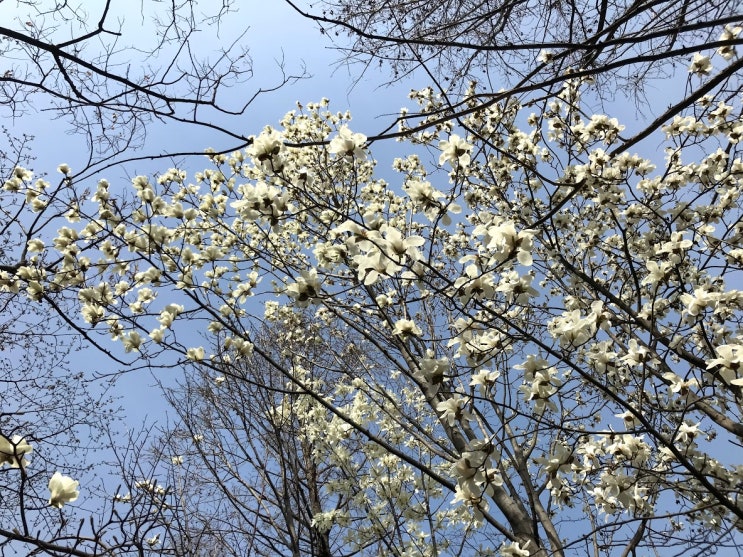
(406, 328)
(686, 433)
(637, 354)
(700, 65)
(697, 302)
(421, 193)
(656, 272)
(532, 364)
(560, 459)
(504, 241)
(516, 288)
(266, 146)
(132, 341)
(260, 200)
(455, 151)
(348, 144)
(245, 289)
(13, 451)
(729, 34)
(157, 335)
(629, 419)
(35, 245)
(396, 247)
(22, 173)
(543, 384)
(514, 550)
(679, 385)
(453, 410)
(469, 464)
(63, 490)
(169, 313)
(306, 289)
(151, 487)
(545, 56)
(571, 329)
(474, 284)
(324, 521)
(374, 264)
(730, 362)
(484, 380)
(196, 354)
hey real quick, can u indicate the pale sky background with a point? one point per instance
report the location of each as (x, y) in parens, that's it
(276, 32)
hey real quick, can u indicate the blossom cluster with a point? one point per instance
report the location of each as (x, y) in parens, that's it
(540, 313)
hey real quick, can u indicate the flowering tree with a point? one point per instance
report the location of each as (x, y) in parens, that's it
(526, 340)
(242, 435)
(51, 417)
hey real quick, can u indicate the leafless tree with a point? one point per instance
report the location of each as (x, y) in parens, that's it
(620, 42)
(110, 69)
(528, 48)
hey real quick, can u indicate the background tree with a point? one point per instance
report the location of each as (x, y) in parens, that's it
(290, 477)
(245, 445)
(529, 48)
(110, 72)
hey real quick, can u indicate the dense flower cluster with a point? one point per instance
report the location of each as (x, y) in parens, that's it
(544, 316)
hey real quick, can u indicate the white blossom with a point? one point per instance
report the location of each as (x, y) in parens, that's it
(63, 490)
(730, 33)
(453, 410)
(348, 144)
(306, 289)
(514, 549)
(700, 64)
(13, 451)
(456, 151)
(406, 328)
(730, 362)
(196, 354)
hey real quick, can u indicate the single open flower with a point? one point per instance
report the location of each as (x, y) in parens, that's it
(406, 328)
(13, 451)
(348, 144)
(63, 490)
(455, 151)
